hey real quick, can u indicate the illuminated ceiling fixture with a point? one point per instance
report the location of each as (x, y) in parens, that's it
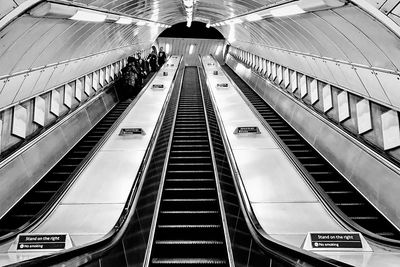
(208, 25)
(124, 20)
(288, 9)
(60, 11)
(83, 15)
(189, 6)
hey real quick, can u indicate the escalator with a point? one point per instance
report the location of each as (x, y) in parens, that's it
(189, 227)
(336, 187)
(51, 185)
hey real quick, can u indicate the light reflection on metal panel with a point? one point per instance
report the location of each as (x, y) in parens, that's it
(88, 84)
(19, 121)
(303, 85)
(78, 90)
(343, 106)
(327, 97)
(39, 111)
(363, 116)
(68, 95)
(294, 81)
(390, 129)
(55, 103)
(314, 91)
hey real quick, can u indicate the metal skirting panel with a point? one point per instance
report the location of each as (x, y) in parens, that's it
(372, 177)
(22, 172)
(182, 46)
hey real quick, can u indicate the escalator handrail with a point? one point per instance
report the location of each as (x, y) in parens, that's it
(54, 200)
(216, 175)
(328, 203)
(272, 246)
(96, 248)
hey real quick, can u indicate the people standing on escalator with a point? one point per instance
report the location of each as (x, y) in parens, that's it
(129, 80)
(162, 56)
(152, 59)
(141, 68)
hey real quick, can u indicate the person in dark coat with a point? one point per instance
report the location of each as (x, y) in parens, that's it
(162, 56)
(128, 81)
(152, 59)
(141, 69)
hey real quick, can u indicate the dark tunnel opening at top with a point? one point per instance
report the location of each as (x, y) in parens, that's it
(197, 30)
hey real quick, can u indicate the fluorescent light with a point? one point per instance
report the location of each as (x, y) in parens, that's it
(141, 23)
(287, 11)
(191, 49)
(189, 23)
(234, 21)
(124, 20)
(208, 25)
(83, 15)
(253, 17)
(219, 48)
(167, 48)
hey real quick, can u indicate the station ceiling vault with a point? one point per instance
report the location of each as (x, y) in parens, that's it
(352, 44)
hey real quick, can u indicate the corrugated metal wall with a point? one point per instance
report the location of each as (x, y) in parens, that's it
(182, 46)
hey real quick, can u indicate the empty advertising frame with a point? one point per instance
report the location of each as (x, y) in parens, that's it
(279, 73)
(273, 70)
(68, 95)
(95, 84)
(343, 106)
(88, 84)
(269, 69)
(39, 111)
(314, 91)
(303, 85)
(363, 116)
(327, 97)
(55, 103)
(19, 122)
(293, 78)
(286, 77)
(78, 90)
(101, 77)
(390, 129)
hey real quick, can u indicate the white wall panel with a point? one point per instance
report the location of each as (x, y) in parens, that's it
(25, 91)
(55, 102)
(391, 85)
(343, 106)
(39, 111)
(88, 84)
(390, 129)
(19, 122)
(95, 83)
(364, 122)
(372, 85)
(40, 85)
(68, 95)
(286, 77)
(293, 79)
(78, 89)
(327, 97)
(303, 85)
(10, 90)
(314, 91)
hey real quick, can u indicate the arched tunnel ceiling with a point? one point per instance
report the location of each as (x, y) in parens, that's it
(347, 35)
